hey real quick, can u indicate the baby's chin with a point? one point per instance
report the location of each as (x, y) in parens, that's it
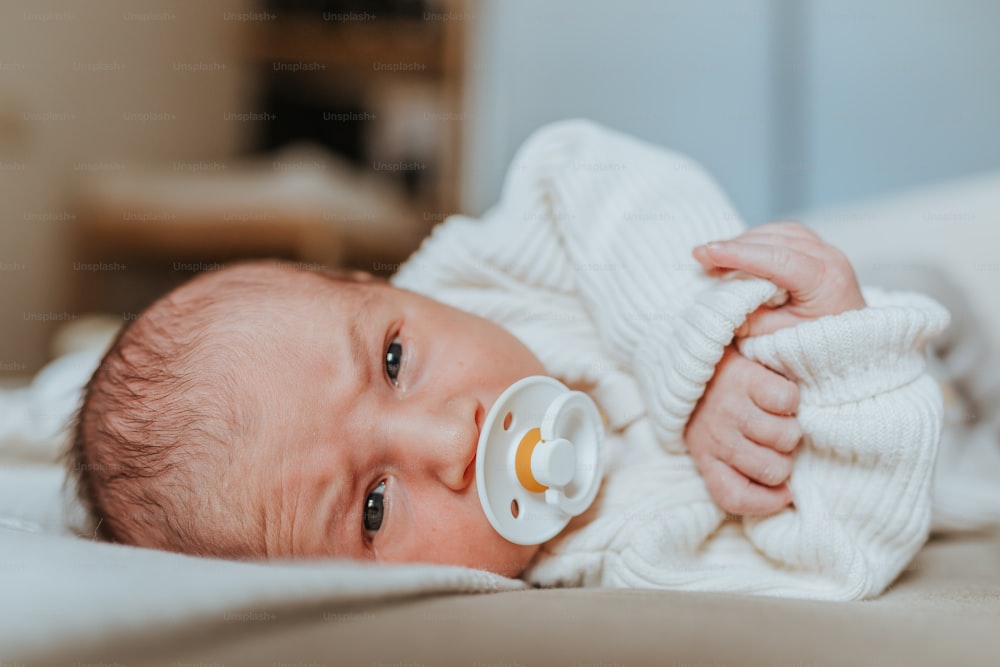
(505, 562)
(478, 547)
(501, 556)
(517, 566)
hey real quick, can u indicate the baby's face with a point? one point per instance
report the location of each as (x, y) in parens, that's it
(370, 400)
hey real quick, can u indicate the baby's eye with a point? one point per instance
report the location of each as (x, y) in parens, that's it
(374, 504)
(393, 359)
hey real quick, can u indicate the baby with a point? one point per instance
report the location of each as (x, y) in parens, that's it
(275, 412)
(269, 411)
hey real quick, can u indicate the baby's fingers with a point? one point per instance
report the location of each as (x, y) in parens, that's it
(773, 392)
(736, 494)
(763, 465)
(766, 320)
(799, 273)
(788, 228)
(782, 434)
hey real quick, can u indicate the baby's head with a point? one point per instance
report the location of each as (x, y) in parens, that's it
(269, 411)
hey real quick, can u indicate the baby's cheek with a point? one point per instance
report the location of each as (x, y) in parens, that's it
(466, 538)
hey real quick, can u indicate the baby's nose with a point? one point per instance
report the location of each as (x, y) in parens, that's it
(444, 441)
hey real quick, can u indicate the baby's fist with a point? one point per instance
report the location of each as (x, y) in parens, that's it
(819, 278)
(742, 436)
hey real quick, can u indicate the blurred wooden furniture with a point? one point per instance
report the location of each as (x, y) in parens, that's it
(358, 58)
(142, 231)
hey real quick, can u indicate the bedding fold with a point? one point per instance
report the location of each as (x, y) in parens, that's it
(86, 592)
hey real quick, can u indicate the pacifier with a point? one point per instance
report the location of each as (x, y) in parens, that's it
(538, 462)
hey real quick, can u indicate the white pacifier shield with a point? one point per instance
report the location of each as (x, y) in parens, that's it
(565, 462)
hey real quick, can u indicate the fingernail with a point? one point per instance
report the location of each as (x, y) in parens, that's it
(714, 245)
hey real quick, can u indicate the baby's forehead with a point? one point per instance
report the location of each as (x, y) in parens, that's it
(266, 309)
(273, 284)
(291, 297)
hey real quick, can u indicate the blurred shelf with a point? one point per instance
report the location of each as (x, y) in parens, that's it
(328, 212)
(307, 63)
(142, 232)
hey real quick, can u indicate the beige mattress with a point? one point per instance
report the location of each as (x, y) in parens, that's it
(944, 610)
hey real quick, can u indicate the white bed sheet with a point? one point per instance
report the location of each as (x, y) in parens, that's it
(954, 226)
(70, 592)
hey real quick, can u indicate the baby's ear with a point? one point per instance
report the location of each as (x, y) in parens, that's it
(348, 275)
(360, 276)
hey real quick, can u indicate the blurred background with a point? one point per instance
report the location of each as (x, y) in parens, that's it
(143, 142)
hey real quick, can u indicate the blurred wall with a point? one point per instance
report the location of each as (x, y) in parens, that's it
(89, 86)
(694, 76)
(791, 104)
(897, 93)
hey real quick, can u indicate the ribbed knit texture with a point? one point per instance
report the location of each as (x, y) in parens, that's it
(587, 260)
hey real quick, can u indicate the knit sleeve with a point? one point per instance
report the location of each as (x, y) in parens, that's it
(627, 215)
(861, 483)
(871, 416)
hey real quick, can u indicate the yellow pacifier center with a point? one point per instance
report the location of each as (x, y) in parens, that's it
(522, 461)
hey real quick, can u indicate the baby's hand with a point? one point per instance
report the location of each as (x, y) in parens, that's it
(819, 278)
(742, 436)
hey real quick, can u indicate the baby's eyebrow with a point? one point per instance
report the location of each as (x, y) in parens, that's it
(359, 353)
(337, 508)
(360, 345)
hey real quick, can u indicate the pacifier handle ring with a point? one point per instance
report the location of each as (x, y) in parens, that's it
(562, 409)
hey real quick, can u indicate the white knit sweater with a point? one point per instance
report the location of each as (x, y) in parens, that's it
(587, 260)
